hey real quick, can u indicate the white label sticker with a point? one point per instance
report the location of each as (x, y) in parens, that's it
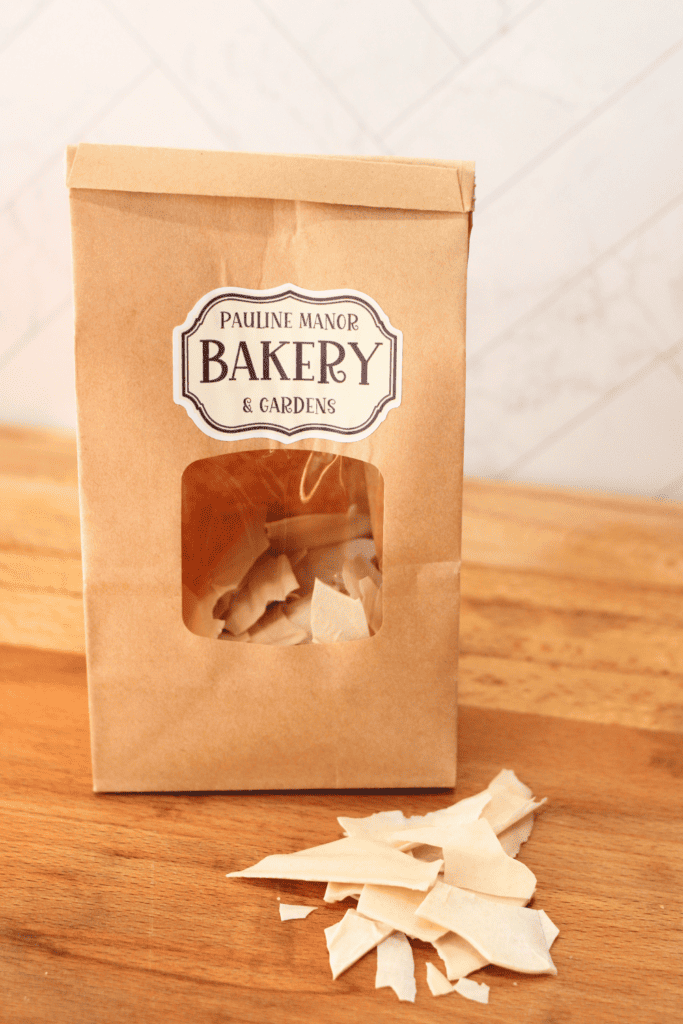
(287, 363)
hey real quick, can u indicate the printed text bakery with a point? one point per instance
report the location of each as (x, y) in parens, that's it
(320, 360)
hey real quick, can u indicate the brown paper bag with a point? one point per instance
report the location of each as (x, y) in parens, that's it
(262, 339)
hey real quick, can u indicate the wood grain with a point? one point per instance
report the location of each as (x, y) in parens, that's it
(572, 603)
(117, 907)
(41, 454)
(574, 534)
(40, 564)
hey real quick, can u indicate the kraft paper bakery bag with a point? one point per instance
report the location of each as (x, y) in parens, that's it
(270, 382)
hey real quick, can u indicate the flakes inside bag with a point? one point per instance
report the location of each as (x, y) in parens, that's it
(363, 581)
(317, 531)
(270, 580)
(274, 627)
(279, 548)
(371, 601)
(199, 612)
(469, 929)
(335, 616)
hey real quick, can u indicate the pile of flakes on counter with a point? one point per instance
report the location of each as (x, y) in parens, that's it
(449, 878)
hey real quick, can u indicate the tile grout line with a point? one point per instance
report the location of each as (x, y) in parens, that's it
(19, 28)
(447, 79)
(579, 126)
(436, 28)
(678, 373)
(303, 55)
(490, 346)
(674, 369)
(33, 331)
(94, 120)
(671, 488)
(165, 69)
(661, 359)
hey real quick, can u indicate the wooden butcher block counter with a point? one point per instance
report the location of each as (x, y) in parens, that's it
(116, 909)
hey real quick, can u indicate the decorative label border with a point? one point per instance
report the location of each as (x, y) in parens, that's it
(182, 395)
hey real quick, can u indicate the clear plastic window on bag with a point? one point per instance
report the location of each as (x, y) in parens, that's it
(282, 547)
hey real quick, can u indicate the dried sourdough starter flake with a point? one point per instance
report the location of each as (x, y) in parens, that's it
(474, 859)
(275, 628)
(550, 930)
(438, 985)
(512, 838)
(336, 616)
(298, 611)
(510, 801)
(316, 531)
(389, 826)
(467, 809)
(459, 956)
(478, 993)
(199, 612)
(347, 860)
(461, 959)
(511, 901)
(337, 891)
(510, 937)
(506, 779)
(294, 911)
(270, 579)
(397, 907)
(440, 829)
(371, 602)
(374, 826)
(396, 967)
(351, 938)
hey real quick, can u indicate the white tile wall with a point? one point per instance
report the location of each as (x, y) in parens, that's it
(583, 198)
(378, 58)
(57, 76)
(469, 26)
(38, 380)
(640, 422)
(35, 260)
(583, 340)
(573, 113)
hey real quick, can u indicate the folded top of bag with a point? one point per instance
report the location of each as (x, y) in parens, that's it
(390, 182)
